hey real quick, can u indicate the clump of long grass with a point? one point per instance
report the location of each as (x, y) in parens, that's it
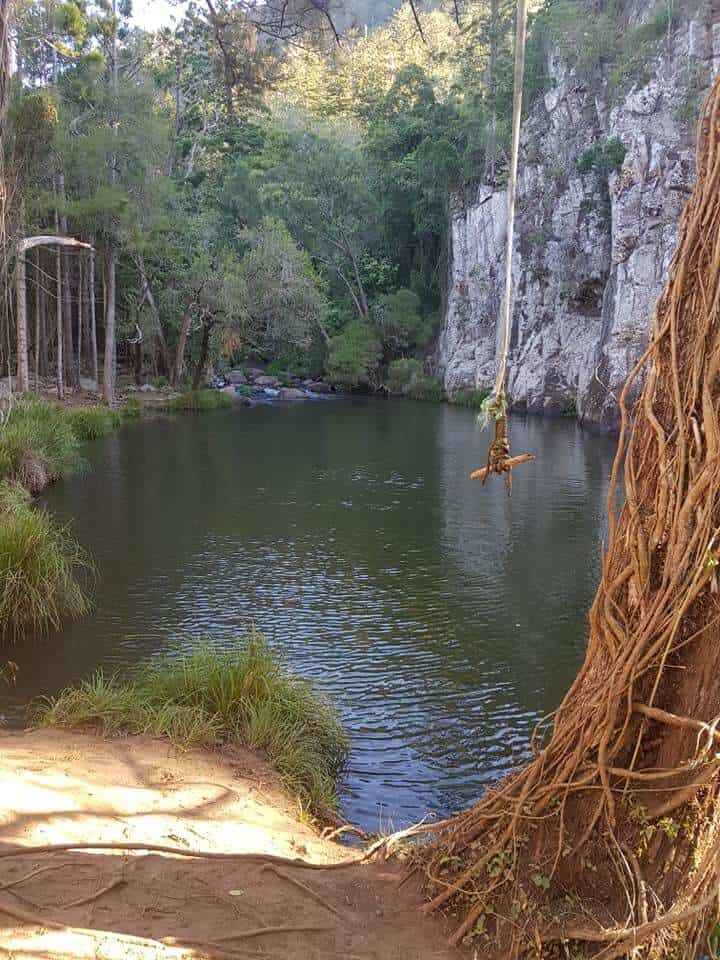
(131, 409)
(38, 444)
(471, 398)
(89, 423)
(39, 563)
(200, 401)
(207, 698)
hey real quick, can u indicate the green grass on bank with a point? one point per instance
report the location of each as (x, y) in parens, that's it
(39, 563)
(473, 399)
(200, 401)
(38, 444)
(206, 698)
(89, 423)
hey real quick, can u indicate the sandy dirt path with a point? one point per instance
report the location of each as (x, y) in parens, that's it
(67, 787)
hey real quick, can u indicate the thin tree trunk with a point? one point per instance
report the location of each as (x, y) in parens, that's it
(147, 294)
(38, 314)
(179, 364)
(93, 319)
(45, 324)
(491, 84)
(203, 358)
(109, 361)
(69, 347)
(23, 374)
(80, 321)
(59, 326)
(109, 357)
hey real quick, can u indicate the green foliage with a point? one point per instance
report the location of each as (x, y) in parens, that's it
(603, 157)
(354, 356)
(428, 389)
(131, 409)
(471, 398)
(403, 374)
(275, 298)
(89, 423)
(39, 562)
(399, 320)
(38, 444)
(200, 401)
(207, 698)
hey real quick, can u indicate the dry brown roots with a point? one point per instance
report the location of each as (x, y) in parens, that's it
(608, 843)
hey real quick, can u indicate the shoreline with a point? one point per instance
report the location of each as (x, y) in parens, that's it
(65, 786)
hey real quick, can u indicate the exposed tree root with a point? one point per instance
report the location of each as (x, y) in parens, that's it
(608, 843)
(301, 886)
(267, 931)
(182, 852)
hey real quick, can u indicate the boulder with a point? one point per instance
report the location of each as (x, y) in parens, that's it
(148, 388)
(317, 386)
(236, 376)
(89, 385)
(292, 393)
(253, 373)
(266, 381)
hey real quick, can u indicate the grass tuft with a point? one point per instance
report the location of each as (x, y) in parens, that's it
(38, 565)
(200, 401)
(131, 409)
(206, 698)
(89, 423)
(38, 444)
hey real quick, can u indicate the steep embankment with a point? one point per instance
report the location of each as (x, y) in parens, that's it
(604, 177)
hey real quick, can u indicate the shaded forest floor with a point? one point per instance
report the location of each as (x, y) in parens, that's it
(63, 787)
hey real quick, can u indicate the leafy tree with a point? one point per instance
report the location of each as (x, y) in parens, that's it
(354, 355)
(277, 295)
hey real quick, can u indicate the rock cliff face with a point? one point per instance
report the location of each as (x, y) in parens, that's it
(603, 179)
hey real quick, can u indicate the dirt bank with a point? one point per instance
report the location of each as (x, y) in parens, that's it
(66, 787)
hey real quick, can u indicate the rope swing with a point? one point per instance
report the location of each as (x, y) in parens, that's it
(495, 406)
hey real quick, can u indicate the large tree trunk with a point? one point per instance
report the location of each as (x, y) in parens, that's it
(608, 843)
(109, 356)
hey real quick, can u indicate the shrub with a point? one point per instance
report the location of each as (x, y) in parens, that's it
(400, 321)
(402, 374)
(427, 388)
(207, 698)
(200, 401)
(354, 355)
(471, 398)
(38, 444)
(89, 423)
(38, 565)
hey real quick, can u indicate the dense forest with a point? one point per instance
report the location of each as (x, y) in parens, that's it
(263, 181)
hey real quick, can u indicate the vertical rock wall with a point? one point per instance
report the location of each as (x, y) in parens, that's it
(602, 185)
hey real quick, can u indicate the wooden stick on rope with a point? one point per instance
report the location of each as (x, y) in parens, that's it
(499, 460)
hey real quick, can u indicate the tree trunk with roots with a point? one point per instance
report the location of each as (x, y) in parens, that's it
(608, 843)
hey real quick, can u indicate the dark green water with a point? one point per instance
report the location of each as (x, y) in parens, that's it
(442, 617)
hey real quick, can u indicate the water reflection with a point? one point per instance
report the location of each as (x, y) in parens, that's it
(443, 618)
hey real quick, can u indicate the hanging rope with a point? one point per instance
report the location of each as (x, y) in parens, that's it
(495, 406)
